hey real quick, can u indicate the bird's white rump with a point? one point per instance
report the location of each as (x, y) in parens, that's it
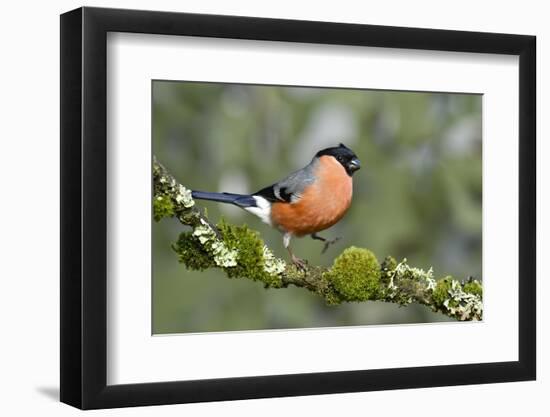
(263, 209)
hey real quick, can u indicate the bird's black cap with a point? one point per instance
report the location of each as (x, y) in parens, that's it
(341, 150)
(344, 155)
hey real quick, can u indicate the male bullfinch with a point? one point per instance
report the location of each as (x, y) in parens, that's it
(304, 203)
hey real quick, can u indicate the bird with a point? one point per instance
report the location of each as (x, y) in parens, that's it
(306, 202)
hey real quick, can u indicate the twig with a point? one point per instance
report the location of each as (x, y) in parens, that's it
(355, 274)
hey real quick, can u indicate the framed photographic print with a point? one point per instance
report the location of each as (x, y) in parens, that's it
(258, 207)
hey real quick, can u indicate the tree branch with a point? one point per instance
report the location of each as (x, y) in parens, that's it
(355, 275)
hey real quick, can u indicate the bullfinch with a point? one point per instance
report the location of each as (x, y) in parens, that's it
(306, 202)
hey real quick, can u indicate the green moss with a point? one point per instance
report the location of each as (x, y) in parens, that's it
(473, 286)
(332, 298)
(453, 303)
(191, 253)
(250, 258)
(355, 274)
(441, 291)
(162, 207)
(247, 243)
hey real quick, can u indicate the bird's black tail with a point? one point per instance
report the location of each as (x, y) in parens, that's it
(240, 200)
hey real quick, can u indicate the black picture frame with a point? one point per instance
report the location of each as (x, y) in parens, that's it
(84, 207)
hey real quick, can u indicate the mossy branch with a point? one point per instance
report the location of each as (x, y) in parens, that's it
(355, 275)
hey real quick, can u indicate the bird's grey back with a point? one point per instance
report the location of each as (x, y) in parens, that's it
(291, 188)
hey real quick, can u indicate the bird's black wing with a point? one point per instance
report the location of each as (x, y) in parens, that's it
(269, 193)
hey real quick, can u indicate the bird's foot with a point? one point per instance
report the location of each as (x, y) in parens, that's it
(330, 242)
(327, 242)
(300, 264)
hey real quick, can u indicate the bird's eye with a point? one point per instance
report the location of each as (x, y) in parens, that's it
(339, 158)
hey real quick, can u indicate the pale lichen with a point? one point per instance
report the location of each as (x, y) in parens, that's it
(272, 264)
(184, 196)
(223, 257)
(406, 284)
(170, 197)
(463, 305)
(415, 281)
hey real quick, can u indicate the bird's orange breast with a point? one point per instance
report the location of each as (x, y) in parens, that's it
(321, 205)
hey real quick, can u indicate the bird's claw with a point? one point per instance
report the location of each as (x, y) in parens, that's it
(330, 242)
(300, 264)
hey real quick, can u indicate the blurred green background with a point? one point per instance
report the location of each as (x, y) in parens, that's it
(418, 194)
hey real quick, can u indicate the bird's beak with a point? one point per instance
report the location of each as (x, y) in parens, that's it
(354, 165)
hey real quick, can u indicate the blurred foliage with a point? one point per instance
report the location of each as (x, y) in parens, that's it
(418, 194)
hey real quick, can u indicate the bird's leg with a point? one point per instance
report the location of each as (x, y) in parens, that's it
(327, 242)
(299, 263)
